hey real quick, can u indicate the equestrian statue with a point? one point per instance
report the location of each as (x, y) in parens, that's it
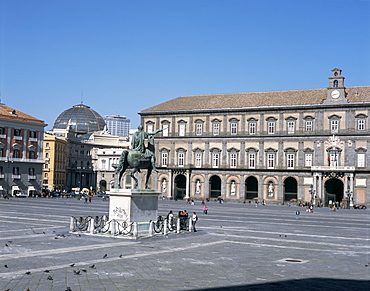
(139, 156)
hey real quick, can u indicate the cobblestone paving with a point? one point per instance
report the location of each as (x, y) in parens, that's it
(237, 247)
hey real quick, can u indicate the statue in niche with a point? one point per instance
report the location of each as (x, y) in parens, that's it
(233, 188)
(270, 189)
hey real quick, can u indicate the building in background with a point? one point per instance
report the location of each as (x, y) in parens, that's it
(54, 173)
(309, 145)
(21, 146)
(117, 125)
(85, 133)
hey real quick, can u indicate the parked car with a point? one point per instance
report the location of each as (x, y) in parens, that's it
(21, 194)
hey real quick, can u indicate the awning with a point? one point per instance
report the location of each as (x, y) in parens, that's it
(31, 188)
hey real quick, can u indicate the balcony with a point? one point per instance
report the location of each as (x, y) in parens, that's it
(16, 137)
(16, 177)
(31, 177)
(2, 176)
(2, 136)
(33, 139)
(332, 169)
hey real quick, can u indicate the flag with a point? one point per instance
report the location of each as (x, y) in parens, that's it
(329, 157)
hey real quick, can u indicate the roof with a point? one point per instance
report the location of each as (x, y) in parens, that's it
(257, 99)
(10, 113)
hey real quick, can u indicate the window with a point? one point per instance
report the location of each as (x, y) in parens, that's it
(215, 159)
(216, 128)
(199, 129)
(2, 130)
(149, 127)
(31, 171)
(290, 161)
(270, 160)
(361, 124)
(33, 134)
(233, 159)
(308, 160)
(252, 127)
(181, 159)
(17, 132)
(182, 129)
(361, 160)
(271, 127)
(334, 125)
(16, 171)
(32, 154)
(291, 126)
(103, 164)
(47, 145)
(165, 128)
(164, 159)
(252, 160)
(16, 153)
(308, 125)
(335, 84)
(198, 159)
(233, 128)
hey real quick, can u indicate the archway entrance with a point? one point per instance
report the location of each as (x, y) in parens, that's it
(180, 187)
(215, 187)
(290, 189)
(103, 185)
(251, 188)
(333, 190)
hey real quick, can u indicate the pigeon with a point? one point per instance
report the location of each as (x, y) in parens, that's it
(6, 245)
(105, 256)
(72, 265)
(68, 289)
(27, 273)
(10, 241)
(6, 266)
(92, 266)
(77, 272)
(50, 278)
(47, 271)
(84, 270)
(120, 255)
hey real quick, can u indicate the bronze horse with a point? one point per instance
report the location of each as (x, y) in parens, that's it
(136, 160)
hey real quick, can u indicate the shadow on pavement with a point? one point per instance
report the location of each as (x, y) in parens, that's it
(304, 284)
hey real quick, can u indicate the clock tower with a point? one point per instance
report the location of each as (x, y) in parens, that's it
(336, 93)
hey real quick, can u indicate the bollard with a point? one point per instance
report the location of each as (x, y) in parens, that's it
(178, 226)
(112, 227)
(165, 230)
(135, 231)
(72, 225)
(91, 225)
(190, 224)
(151, 229)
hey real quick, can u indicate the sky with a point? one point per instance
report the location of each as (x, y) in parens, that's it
(121, 57)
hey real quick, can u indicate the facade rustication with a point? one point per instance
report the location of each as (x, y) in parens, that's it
(308, 145)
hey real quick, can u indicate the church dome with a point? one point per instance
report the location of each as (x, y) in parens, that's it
(81, 119)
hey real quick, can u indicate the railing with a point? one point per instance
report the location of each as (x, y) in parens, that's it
(103, 226)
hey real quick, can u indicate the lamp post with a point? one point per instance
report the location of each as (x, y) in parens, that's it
(8, 174)
(349, 194)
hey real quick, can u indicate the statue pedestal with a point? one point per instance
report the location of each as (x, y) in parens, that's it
(133, 205)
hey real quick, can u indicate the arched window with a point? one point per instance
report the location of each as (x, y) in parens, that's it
(336, 83)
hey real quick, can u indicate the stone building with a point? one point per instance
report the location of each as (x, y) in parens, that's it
(21, 144)
(309, 145)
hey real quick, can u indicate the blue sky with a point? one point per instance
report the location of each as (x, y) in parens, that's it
(120, 57)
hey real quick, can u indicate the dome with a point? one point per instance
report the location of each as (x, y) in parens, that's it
(81, 119)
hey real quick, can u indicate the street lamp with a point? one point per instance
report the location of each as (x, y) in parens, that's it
(349, 193)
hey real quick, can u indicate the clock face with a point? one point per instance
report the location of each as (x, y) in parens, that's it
(335, 94)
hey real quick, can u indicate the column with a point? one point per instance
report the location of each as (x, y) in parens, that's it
(187, 191)
(170, 194)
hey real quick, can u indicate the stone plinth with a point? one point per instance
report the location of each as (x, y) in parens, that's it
(133, 205)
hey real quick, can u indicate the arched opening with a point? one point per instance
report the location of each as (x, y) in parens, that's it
(251, 188)
(103, 185)
(180, 187)
(290, 189)
(333, 190)
(215, 187)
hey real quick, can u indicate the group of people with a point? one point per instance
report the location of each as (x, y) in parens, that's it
(184, 220)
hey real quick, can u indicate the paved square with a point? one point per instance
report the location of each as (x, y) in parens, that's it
(237, 247)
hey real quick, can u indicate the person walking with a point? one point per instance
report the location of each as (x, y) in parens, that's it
(205, 209)
(194, 219)
(297, 213)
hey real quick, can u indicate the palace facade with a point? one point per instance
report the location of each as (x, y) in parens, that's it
(309, 145)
